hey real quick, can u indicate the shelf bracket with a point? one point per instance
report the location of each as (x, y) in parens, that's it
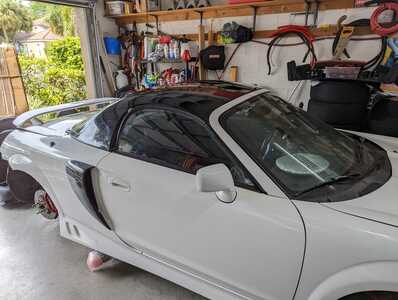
(157, 23)
(254, 17)
(201, 16)
(309, 10)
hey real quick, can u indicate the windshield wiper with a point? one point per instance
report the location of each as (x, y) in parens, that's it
(331, 181)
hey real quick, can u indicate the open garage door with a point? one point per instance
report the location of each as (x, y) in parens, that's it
(89, 7)
(75, 3)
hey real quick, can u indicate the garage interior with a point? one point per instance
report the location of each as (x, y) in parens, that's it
(332, 58)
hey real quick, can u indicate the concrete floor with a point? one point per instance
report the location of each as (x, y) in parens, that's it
(36, 263)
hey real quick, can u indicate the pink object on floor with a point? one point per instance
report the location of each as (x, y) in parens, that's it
(95, 260)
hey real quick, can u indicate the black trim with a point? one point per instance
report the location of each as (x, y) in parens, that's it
(206, 125)
(79, 175)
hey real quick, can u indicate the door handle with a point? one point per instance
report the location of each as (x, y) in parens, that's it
(119, 184)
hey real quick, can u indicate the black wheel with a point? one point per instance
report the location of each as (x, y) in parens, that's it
(338, 114)
(341, 92)
(22, 186)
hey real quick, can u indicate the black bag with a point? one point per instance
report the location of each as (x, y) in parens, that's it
(235, 33)
(243, 34)
(213, 58)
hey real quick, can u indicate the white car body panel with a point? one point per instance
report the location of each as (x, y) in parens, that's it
(162, 214)
(265, 234)
(340, 248)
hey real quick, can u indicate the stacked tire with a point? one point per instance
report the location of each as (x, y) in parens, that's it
(384, 118)
(5, 125)
(341, 104)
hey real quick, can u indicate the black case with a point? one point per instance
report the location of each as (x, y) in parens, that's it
(213, 57)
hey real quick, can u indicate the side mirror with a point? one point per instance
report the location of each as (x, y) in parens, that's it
(216, 179)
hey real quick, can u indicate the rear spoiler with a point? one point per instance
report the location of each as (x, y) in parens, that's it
(21, 120)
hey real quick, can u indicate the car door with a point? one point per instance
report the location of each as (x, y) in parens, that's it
(253, 246)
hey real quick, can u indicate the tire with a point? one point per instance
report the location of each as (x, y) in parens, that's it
(372, 296)
(385, 109)
(342, 92)
(338, 114)
(22, 186)
(384, 118)
(388, 127)
(6, 123)
(3, 170)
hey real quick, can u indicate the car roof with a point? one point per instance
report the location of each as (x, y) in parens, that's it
(199, 99)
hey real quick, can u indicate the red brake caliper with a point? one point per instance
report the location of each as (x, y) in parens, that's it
(49, 204)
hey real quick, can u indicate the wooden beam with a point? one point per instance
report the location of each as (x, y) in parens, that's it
(235, 10)
(323, 31)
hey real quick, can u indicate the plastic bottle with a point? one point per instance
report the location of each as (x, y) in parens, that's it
(121, 79)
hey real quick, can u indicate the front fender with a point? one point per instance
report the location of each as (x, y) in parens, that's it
(372, 276)
(21, 162)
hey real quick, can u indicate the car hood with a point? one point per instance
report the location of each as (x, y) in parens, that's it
(382, 204)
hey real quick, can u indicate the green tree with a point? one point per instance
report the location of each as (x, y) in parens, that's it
(38, 10)
(14, 17)
(60, 19)
(58, 79)
(66, 52)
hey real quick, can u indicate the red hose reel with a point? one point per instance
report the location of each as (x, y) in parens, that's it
(374, 20)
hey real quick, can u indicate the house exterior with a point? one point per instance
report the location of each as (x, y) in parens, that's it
(34, 43)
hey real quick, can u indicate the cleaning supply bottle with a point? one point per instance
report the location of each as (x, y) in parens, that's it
(121, 79)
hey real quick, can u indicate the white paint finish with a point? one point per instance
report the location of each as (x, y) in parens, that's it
(250, 249)
(27, 116)
(343, 252)
(381, 205)
(253, 246)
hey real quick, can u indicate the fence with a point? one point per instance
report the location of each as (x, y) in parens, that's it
(12, 94)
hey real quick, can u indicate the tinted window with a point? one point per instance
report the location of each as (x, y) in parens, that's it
(177, 141)
(98, 130)
(304, 155)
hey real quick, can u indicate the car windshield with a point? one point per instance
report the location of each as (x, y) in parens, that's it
(300, 153)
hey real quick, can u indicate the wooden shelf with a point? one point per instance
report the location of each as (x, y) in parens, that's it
(221, 11)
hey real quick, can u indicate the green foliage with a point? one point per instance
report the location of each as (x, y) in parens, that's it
(14, 17)
(38, 10)
(58, 79)
(60, 19)
(66, 52)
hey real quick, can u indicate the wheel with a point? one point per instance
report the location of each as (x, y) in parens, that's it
(341, 92)
(338, 114)
(44, 205)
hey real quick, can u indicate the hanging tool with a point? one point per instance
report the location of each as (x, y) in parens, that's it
(310, 10)
(344, 37)
(384, 5)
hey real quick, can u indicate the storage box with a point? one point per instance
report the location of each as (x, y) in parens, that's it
(115, 8)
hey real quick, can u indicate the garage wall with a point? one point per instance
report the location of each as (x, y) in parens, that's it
(251, 57)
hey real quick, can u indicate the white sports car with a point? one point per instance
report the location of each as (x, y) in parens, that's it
(223, 189)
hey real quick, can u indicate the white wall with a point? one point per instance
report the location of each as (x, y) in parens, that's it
(251, 57)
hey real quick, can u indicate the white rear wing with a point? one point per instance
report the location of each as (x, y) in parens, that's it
(21, 120)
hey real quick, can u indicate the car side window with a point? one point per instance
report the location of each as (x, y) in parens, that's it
(176, 140)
